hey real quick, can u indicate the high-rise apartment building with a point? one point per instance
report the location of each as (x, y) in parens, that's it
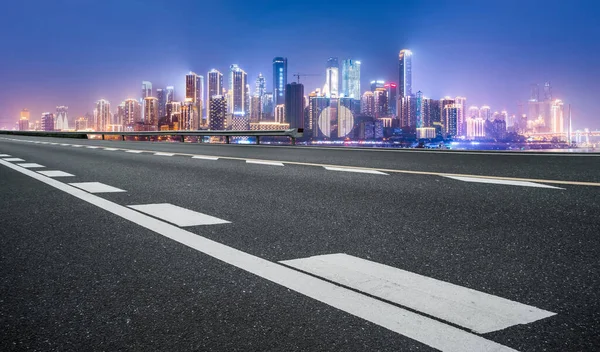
(132, 113)
(405, 73)
(294, 105)
(151, 113)
(280, 79)
(161, 95)
(351, 79)
(450, 117)
(102, 115)
(218, 113)
(47, 121)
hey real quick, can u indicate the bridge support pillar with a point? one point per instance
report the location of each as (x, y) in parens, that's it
(227, 139)
(257, 139)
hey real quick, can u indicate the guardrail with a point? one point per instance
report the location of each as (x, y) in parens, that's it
(291, 133)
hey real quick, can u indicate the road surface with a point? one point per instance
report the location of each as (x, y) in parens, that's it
(167, 246)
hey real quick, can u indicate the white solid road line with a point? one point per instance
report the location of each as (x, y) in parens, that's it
(474, 310)
(96, 187)
(13, 159)
(501, 182)
(5, 156)
(263, 162)
(133, 151)
(164, 154)
(361, 171)
(202, 157)
(178, 215)
(417, 327)
(55, 173)
(31, 165)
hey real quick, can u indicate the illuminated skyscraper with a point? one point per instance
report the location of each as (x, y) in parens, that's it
(279, 80)
(381, 102)
(419, 113)
(215, 87)
(332, 80)
(268, 107)
(173, 111)
(170, 94)
(405, 73)
(392, 96)
(151, 113)
(238, 87)
(260, 87)
(408, 111)
(61, 123)
(475, 127)
(24, 120)
(473, 112)
(485, 113)
(351, 78)
(461, 104)
(47, 121)
(367, 104)
(146, 92)
(294, 105)
(547, 92)
(161, 95)
(193, 95)
(377, 84)
(102, 116)
(557, 123)
(345, 117)
(146, 89)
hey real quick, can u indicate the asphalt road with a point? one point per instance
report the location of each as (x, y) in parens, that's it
(80, 273)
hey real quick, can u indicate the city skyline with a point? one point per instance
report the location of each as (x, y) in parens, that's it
(496, 70)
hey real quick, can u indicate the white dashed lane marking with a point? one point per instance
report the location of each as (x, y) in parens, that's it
(111, 149)
(5, 156)
(474, 310)
(92, 147)
(13, 159)
(202, 157)
(55, 173)
(96, 187)
(133, 151)
(501, 182)
(264, 162)
(360, 171)
(164, 154)
(31, 165)
(178, 215)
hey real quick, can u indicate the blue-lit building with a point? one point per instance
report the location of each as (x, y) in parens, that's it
(405, 73)
(351, 79)
(279, 80)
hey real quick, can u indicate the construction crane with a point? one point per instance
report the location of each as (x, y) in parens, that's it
(298, 75)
